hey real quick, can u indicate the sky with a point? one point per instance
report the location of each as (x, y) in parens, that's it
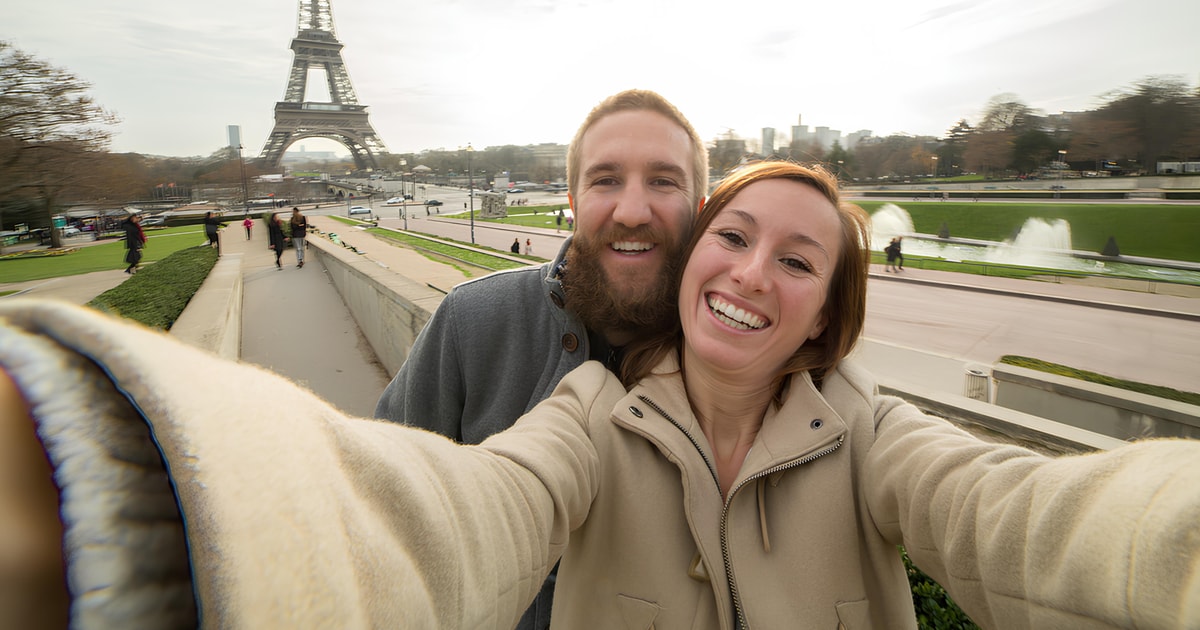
(445, 73)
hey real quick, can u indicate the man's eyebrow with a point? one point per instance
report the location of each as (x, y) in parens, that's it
(668, 167)
(602, 167)
(657, 167)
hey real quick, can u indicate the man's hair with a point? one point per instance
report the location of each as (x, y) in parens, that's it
(641, 100)
(845, 305)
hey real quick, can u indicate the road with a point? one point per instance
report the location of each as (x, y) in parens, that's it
(966, 325)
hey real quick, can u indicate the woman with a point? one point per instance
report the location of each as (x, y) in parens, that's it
(275, 237)
(211, 225)
(751, 477)
(299, 225)
(135, 241)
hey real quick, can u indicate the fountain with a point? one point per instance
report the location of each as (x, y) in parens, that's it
(1039, 243)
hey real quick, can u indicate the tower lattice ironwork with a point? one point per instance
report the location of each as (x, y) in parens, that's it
(342, 119)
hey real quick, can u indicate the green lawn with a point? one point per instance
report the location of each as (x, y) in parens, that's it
(1153, 230)
(101, 257)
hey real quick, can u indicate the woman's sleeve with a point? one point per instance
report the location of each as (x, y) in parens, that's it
(1021, 540)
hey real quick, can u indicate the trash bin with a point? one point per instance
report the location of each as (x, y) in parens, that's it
(978, 384)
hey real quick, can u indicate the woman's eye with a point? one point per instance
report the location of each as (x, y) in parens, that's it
(733, 238)
(797, 263)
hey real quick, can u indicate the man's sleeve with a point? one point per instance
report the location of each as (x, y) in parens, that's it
(428, 390)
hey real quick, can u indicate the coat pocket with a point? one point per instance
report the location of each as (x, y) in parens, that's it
(637, 614)
(854, 615)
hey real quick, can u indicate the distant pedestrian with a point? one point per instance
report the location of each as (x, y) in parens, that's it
(558, 221)
(212, 225)
(135, 241)
(275, 237)
(899, 254)
(516, 246)
(299, 225)
(528, 247)
(570, 223)
(249, 225)
(893, 253)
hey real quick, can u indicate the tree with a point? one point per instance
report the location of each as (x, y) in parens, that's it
(50, 132)
(1162, 117)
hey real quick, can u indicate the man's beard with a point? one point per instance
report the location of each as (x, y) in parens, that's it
(607, 308)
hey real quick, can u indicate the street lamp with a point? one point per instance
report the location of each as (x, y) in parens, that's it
(245, 194)
(934, 169)
(1062, 163)
(471, 190)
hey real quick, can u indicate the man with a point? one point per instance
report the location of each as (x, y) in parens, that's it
(299, 225)
(637, 173)
(135, 240)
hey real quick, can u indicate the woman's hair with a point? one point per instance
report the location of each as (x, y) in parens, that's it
(845, 305)
(641, 100)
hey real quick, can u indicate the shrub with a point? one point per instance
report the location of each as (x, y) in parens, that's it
(158, 293)
(934, 607)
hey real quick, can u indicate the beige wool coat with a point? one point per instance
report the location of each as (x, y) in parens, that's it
(195, 488)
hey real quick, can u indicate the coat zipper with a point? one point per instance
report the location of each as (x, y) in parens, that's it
(740, 619)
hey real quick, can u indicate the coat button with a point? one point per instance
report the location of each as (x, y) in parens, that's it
(557, 299)
(570, 342)
(635, 411)
(816, 424)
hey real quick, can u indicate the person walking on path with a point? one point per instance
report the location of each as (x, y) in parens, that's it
(212, 226)
(249, 225)
(893, 253)
(899, 254)
(299, 225)
(135, 240)
(516, 246)
(528, 247)
(275, 237)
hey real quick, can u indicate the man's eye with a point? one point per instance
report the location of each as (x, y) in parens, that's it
(605, 181)
(663, 181)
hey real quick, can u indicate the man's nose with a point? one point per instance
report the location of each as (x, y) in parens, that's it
(633, 206)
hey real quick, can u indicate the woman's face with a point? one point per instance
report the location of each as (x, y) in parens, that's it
(754, 287)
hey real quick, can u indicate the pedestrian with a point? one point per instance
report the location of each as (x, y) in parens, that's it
(891, 251)
(299, 225)
(899, 253)
(275, 237)
(516, 246)
(528, 247)
(544, 316)
(558, 221)
(570, 223)
(249, 225)
(135, 241)
(212, 226)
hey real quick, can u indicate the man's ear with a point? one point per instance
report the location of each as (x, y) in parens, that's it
(700, 207)
(571, 202)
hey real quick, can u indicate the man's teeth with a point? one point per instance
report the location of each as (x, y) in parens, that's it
(632, 246)
(733, 316)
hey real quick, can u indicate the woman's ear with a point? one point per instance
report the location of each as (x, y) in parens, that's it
(33, 585)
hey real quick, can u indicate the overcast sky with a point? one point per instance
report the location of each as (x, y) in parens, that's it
(442, 73)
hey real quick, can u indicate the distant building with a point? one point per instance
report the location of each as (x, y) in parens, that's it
(768, 141)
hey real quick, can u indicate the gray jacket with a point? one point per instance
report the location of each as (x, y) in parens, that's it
(494, 348)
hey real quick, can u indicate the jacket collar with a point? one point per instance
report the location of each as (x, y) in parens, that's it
(657, 408)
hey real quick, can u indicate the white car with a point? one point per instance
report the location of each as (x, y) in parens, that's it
(394, 200)
(360, 210)
(70, 231)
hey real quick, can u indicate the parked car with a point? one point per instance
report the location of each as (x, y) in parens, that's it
(516, 190)
(433, 202)
(154, 221)
(70, 230)
(395, 200)
(359, 210)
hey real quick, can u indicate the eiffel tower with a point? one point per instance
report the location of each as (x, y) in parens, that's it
(343, 119)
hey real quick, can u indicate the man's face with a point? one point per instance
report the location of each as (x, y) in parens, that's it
(632, 219)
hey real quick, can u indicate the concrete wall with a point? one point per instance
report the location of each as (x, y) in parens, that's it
(1114, 412)
(389, 309)
(212, 319)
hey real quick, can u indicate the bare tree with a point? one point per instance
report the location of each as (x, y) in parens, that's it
(50, 129)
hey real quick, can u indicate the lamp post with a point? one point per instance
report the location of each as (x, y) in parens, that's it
(471, 190)
(1062, 164)
(245, 193)
(934, 170)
